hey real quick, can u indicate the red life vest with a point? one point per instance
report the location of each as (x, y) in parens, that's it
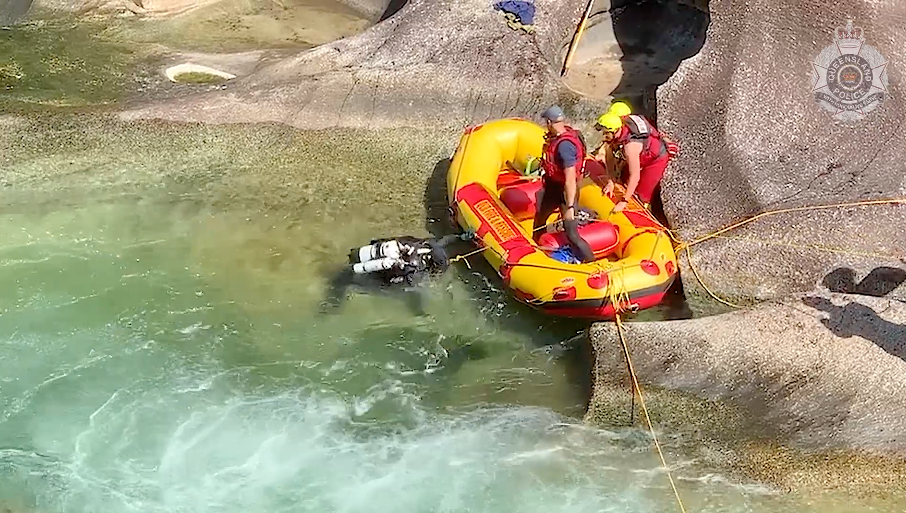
(654, 145)
(549, 155)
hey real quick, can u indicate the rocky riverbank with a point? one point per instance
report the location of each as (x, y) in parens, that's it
(780, 374)
(819, 370)
(816, 374)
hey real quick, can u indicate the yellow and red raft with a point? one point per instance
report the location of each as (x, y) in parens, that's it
(636, 262)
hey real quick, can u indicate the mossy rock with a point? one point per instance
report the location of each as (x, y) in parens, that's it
(198, 77)
(10, 74)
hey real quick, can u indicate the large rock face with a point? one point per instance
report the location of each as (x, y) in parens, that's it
(753, 139)
(632, 46)
(432, 64)
(820, 372)
(12, 10)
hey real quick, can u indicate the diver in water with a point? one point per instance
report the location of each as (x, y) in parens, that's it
(394, 263)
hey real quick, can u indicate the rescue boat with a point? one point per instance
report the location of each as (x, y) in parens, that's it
(635, 260)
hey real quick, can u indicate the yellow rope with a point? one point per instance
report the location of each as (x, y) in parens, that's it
(618, 295)
(467, 255)
(576, 37)
(756, 217)
(638, 388)
(681, 246)
(702, 282)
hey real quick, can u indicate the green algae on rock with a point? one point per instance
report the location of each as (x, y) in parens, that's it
(62, 62)
(198, 77)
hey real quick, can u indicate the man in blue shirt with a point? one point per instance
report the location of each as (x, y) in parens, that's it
(563, 160)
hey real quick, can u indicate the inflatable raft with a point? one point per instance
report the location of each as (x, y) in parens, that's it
(635, 264)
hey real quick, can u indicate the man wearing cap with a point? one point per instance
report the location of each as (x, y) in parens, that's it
(563, 158)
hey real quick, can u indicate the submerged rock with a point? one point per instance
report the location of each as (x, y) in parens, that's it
(753, 139)
(12, 10)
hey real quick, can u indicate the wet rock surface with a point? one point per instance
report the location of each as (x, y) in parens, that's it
(824, 371)
(753, 139)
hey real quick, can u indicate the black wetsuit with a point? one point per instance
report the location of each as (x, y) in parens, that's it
(407, 277)
(417, 265)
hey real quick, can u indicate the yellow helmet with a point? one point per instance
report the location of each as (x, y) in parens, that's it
(610, 121)
(620, 109)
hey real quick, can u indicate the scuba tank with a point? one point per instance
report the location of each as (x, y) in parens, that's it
(402, 256)
(376, 250)
(376, 265)
(377, 256)
(384, 255)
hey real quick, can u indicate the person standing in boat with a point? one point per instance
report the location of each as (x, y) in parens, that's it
(605, 153)
(645, 150)
(563, 159)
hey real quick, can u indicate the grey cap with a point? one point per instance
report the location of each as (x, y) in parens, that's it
(553, 114)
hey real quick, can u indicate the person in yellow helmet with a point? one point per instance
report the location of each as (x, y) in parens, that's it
(645, 151)
(600, 153)
(620, 109)
(612, 160)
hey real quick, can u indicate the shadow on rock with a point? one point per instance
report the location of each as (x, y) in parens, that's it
(880, 282)
(556, 336)
(437, 215)
(858, 319)
(654, 36)
(393, 7)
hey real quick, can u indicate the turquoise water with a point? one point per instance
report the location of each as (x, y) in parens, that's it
(166, 355)
(163, 346)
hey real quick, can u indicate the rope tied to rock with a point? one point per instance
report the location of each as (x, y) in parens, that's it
(682, 246)
(685, 246)
(638, 389)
